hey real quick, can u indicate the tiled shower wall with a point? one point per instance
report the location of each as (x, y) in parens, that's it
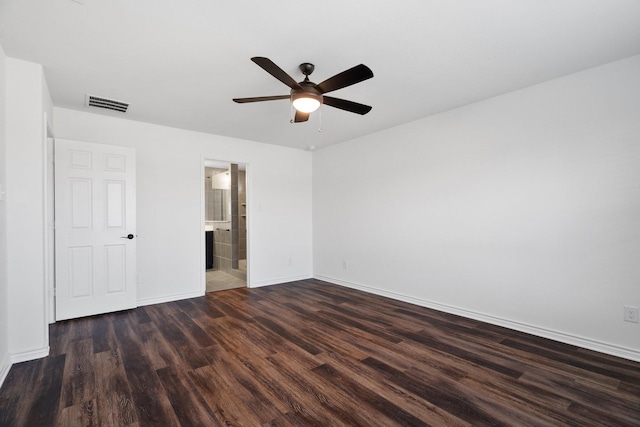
(222, 253)
(242, 215)
(233, 169)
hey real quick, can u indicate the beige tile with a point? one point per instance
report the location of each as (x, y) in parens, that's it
(219, 280)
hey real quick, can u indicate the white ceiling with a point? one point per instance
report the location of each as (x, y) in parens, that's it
(179, 63)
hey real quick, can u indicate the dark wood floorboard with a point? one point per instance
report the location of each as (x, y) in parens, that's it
(309, 353)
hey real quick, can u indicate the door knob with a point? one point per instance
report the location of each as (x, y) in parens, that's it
(128, 236)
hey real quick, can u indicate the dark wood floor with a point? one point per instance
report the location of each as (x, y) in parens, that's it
(311, 354)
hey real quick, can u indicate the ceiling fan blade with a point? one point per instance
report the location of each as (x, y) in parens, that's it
(270, 67)
(301, 117)
(261, 98)
(346, 78)
(343, 104)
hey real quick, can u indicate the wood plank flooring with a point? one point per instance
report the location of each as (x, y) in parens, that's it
(310, 353)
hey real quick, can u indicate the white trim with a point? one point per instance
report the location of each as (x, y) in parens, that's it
(282, 280)
(168, 298)
(5, 366)
(47, 256)
(203, 232)
(30, 355)
(49, 222)
(578, 341)
(247, 223)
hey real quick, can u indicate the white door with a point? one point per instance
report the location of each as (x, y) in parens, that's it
(95, 227)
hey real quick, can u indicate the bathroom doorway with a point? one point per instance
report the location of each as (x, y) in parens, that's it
(225, 225)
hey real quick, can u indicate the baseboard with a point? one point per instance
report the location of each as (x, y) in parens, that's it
(168, 298)
(29, 355)
(10, 359)
(279, 281)
(578, 341)
(5, 366)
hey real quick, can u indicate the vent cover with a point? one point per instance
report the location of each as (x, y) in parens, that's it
(109, 104)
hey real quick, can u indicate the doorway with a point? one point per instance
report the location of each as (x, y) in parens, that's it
(225, 225)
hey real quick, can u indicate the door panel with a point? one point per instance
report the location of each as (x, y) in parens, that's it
(81, 203)
(80, 271)
(116, 271)
(116, 204)
(95, 211)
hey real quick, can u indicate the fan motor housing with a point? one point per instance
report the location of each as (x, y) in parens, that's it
(308, 90)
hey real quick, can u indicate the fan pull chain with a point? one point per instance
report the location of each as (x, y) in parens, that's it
(320, 119)
(292, 113)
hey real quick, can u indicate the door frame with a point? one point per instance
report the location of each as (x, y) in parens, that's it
(203, 243)
(48, 203)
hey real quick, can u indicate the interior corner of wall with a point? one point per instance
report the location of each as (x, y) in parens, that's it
(5, 366)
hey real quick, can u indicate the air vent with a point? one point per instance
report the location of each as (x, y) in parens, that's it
(109, 104)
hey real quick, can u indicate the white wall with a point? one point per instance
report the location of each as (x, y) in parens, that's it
(5, 362)
(170, 193)
(27, 101)
(521, 210)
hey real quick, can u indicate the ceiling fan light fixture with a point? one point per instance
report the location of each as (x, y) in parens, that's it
(306, 102)
(306, 96)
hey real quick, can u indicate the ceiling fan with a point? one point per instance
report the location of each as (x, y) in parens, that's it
(307, 96)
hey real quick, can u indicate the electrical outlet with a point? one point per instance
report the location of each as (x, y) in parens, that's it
(344, 264)
(630, 314)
